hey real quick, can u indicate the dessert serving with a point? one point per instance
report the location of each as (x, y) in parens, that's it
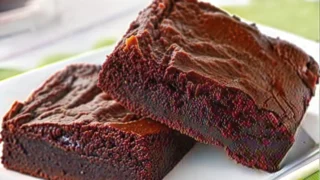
(69, 129)
(195, 68)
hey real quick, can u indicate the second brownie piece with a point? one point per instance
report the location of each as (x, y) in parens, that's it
(200, 71)
(70, 130)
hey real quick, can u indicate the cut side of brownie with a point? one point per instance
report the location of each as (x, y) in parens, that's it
(195, 68)
(70, 129)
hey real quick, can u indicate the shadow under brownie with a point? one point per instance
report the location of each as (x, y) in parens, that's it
(69, 129)
(195, 68)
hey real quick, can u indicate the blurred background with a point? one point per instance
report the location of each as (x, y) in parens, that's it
(35, 33)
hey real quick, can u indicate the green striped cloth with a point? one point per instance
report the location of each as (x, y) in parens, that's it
(314, 176)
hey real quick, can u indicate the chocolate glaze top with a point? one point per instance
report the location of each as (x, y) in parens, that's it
(72, 97)
(206, 44)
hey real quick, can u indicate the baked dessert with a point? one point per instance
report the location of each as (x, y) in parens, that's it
(195, 68)
(69, 129)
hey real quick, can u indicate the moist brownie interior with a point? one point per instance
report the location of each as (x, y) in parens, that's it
(69, 129)
(195, 68)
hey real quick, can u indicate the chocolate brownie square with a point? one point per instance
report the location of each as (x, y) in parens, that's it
(69, 129)
(195, 68)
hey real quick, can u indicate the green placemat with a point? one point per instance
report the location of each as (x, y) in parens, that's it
(55, 58)
(7, 72)
(104, 42)
(314, 176)
(300, 17)
(63, 56)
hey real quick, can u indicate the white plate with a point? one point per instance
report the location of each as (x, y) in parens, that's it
(203, 161)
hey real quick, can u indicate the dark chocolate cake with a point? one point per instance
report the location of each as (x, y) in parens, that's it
(69, 129)
(195, 68)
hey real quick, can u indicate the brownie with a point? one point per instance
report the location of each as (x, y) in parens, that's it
(69, 129)
(195, 68)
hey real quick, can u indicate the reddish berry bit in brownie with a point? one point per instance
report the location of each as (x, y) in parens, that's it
(68, 129)
(195, 68)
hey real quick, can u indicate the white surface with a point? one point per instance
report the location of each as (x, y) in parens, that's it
(34, 14)
(78, 25)
(203, 161)
(304, 171)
